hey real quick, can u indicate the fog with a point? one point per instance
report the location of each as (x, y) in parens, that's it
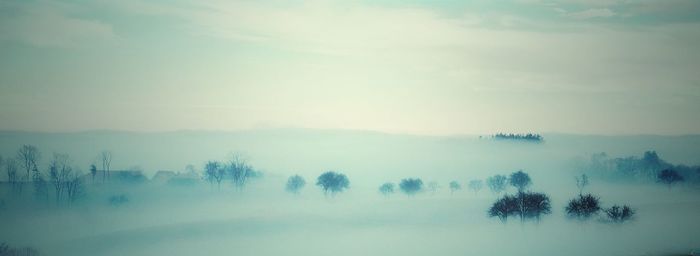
(264, 219)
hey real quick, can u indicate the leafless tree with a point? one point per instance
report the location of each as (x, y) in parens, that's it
(74, 187)
(239, 170)
(106, 159)
(41, 187)
(59, 172)
(11, 167)
(213, 172)
(28, 156)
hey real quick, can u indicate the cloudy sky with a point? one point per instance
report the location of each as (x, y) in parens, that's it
(419, 67)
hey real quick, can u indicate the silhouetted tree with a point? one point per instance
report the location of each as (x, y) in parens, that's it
(74, 188)
(534, 205)
(619, 214)
(386, 188)
(213, 172)
(476, 185)
(669, 177)
(28, 156)
(239, 170)
(411, 186)
(583, 207)
(106, 159)
(332, 182)
(59, 174)
(497, 183)
(504, 207)
(520, 180)
(295, 184)
(524, 205)
(41, 187)
(454, 186)
(13, 179)
(581, 182)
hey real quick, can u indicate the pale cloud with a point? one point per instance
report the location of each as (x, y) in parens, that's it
(348, 65)
(592, 13)
(48, 25)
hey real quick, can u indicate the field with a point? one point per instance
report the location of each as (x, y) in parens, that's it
(263, 219)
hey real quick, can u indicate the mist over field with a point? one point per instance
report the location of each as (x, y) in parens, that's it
(364, 127)
(261, 218)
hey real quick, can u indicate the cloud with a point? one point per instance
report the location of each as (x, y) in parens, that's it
(592, 13)
(48, 25)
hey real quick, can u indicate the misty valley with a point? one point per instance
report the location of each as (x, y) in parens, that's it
(325, 192)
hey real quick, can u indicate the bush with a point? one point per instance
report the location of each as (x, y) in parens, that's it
(583, 207)
(619, 214)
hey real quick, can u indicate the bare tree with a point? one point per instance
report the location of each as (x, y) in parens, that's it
(28, 156)
(74, 187)
(239, 170)
(59, 173)
(11, 167)
(41, 187)
(106, 159)
(214, 172)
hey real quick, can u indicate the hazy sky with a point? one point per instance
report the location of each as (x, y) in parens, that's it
(609, 67)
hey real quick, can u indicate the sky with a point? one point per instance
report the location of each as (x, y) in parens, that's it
(416, 67)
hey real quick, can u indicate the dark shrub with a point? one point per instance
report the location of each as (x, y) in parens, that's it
(619, 214)
(669, 177)
(583, 207)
